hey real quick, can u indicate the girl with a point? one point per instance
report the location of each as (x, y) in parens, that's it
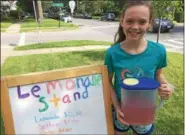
(133, 56)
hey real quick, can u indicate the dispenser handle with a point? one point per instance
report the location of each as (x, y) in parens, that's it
(163, 100)
(160, 104)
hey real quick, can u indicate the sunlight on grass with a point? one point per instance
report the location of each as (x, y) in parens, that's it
(5, 24)
(48, 24)
(67, 43)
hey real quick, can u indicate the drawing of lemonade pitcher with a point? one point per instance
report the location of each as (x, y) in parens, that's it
(138, 100)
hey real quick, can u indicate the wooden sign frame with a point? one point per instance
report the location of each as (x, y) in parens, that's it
(38, 77)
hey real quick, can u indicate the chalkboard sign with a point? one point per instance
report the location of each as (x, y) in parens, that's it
(70, 101)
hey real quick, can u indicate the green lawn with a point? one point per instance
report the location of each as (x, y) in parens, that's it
(47, 25)
(96, 17)
(169, 119)
(7, 22)
(68, 43)
(5, 25)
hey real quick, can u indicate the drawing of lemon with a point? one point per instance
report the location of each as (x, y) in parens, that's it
(130, 81)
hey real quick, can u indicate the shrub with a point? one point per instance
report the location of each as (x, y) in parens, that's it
(14, 14)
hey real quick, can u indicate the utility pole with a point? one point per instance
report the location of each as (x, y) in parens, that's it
(159, 28)
(36, 19)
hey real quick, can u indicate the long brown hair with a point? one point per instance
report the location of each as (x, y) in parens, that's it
(120, 36)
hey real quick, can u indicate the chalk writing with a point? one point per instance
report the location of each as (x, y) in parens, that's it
(71, 121)
(53, 84)
(34, 89)
(45, 118)
(46, 106)
(58, 131)
(70, 84)
(52, 124)
(72, 114)
(55, 100)
(71, 90)
(48, 125)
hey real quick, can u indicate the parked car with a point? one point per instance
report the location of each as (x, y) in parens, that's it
(76, 15)
(87, 16)
(108, 17)
(66, 18)
(83, 16)
(166, 25)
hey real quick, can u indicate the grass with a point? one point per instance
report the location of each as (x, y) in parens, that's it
(69, 43)
(6, 23)
(169, 119)
(47, 24)
(96, 17)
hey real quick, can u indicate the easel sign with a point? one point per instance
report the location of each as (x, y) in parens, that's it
(69, 101)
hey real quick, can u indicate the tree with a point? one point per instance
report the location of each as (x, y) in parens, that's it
(4, 9)
(165, 9)
(22, 5)
(46, 5)
(11, 3)
(27, 6)
(96, 6)
(6, 6)
(39, 11)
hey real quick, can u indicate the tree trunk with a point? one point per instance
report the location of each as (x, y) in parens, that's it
(39, 11)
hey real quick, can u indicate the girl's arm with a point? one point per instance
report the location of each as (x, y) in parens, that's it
(165, 89)
(115, 102)
(113, 94)
(160, 77)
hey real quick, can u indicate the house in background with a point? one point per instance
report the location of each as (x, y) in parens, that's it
(11, 4)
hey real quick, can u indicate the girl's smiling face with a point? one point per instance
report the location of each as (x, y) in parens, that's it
(135, 22)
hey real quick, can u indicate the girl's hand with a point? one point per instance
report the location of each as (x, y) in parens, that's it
(120, 116)
(165, 91)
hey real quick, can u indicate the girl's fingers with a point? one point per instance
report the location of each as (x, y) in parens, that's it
(165, 93)
(120, 117)
(163, 89)
(122, 121)
(121, 114)
(164, 85)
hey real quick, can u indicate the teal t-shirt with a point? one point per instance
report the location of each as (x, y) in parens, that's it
(124, 65)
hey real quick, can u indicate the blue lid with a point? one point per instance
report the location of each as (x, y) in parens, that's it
(142, 83)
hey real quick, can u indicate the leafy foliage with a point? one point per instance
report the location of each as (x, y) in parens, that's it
(167, 9)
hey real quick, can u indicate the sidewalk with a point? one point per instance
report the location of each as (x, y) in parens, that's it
(6, 52)
(179, 24)
(66, 35)
(54, 50)
(14, 28)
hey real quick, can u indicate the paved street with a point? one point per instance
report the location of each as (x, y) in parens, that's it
(172, 40)
(90, 30)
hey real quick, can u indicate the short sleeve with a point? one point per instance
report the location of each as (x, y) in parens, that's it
(163, 58)
(108, 61)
